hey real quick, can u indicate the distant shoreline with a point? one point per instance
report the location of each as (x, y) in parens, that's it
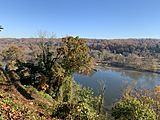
(125, 68)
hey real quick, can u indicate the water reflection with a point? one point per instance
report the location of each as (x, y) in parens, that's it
(116, 80)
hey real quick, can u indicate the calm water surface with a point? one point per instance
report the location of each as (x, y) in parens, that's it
(115, 80)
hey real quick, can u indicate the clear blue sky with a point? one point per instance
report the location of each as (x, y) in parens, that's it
(85, 18)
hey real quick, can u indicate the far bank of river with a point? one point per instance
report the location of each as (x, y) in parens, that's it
(116, 80)
(126, 67)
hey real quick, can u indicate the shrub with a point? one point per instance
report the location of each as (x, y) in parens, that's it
(84, 106)
(79, 111)
(130, 108)
(45, 95)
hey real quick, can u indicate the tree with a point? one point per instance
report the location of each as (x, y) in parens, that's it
(73, 56)
(59, 64)
(12, 53)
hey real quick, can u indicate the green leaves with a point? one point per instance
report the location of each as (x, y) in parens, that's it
(131, 108)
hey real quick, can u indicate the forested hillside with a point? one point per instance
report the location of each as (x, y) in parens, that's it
(36, 79)
(141, 47)
(130, 53)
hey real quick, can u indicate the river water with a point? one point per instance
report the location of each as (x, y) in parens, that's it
(116, 80)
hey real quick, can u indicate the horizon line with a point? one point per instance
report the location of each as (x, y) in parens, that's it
(85, 38)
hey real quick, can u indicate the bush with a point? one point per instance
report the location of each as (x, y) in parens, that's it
(45, 95)
(130, 108)
(79, 111)
(86, 95)
(84, 106)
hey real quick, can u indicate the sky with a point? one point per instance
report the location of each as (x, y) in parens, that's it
(84, 18)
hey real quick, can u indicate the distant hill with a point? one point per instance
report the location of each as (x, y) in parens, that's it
(113, 45)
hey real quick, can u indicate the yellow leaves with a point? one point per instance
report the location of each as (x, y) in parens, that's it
(76, 54)
(25, 72)
(41, 78)
(44, 87)
(12, 66)
(157, 89)
(59, 72)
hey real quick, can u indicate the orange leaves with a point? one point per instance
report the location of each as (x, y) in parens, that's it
(157, 89)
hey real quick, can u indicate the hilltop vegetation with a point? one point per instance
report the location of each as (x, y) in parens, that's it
(46, 80)
(36, 79)
(141, 47)
(115, 52)
(137, 54)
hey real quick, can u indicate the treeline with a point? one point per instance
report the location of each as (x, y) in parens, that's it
(141, 47)
(116, 52)
(138, 54)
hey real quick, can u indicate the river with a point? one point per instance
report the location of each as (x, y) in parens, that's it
(116, 80)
